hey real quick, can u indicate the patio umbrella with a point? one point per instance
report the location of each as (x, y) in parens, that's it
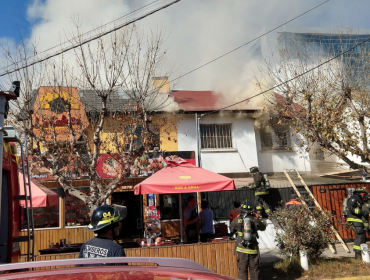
(41, 196)
(179, 176)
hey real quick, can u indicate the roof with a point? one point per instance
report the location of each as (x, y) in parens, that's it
(117, 101)
(280, 100)
(193, 101)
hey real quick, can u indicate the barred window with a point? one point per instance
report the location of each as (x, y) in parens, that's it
(216, 136)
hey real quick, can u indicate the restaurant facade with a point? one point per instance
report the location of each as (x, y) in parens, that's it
(67, 217)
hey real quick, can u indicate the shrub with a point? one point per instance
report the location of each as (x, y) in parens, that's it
(300, 228)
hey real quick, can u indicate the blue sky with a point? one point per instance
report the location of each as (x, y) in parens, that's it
(197, 30)
(14, 18)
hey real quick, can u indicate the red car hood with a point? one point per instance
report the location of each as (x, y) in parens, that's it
(116, 272)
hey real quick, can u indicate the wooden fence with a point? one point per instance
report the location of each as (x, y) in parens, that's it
(331, 197)
(43, 238)
(218, 257)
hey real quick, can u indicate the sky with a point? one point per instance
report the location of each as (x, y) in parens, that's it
(197, 31)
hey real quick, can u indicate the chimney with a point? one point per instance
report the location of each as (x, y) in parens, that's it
(162, 84)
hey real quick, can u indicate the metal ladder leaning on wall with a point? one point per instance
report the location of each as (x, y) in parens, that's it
(318, 206)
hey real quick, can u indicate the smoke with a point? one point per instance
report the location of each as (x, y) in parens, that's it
(244, 86)
(198, 31)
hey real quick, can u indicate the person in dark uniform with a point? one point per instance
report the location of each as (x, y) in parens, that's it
(247, 247)
(355, 214)
(261, 187)
(105, 223)
(366, 208)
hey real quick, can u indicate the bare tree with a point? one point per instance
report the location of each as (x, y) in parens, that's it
(122, 110)
(329, 105)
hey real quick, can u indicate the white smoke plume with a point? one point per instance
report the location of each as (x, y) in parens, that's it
(198, 31)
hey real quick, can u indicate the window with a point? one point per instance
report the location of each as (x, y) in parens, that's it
(137, 131)
(44, 217)
(76, 213)
(216, 136)
(275, 136)
(169, 206)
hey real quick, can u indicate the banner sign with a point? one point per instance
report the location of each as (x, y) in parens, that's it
(108, 166)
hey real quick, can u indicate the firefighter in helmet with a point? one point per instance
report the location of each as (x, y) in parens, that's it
(261, 187)
(355, 216)
(246, 225)
(366, 208)
(106, 224)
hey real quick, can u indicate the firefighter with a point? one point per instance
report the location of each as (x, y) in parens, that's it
(355, 214)
(261, 187)
(246, 246)
(106, 224)
(365, 208)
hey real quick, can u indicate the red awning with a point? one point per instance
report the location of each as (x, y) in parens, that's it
(183, 177)
(41, 196)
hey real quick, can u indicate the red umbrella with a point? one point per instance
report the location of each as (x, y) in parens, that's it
(183, 177)
(41, 196)
(179, 176)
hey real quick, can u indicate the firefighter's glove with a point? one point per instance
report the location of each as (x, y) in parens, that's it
(231, 238)
(257, 219)
(366, 215)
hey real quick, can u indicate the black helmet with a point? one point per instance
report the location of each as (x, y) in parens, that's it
(360, 190)
(246, 207)
(254, 169)
(106, 215)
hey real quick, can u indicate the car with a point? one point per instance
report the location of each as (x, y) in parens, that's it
(111, 268)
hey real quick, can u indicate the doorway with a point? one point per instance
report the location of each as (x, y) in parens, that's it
(132, 225)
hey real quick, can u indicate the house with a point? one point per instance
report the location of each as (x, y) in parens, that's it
(232, 140)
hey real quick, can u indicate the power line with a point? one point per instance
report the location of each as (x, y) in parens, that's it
(93, 38)
(86, 33)
(295, 77)
(233, 50)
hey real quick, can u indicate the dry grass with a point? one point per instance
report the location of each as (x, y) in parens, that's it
(323, 268)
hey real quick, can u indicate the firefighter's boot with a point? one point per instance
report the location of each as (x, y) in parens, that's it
(358, 255)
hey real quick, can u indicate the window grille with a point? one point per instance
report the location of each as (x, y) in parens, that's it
(216, 136)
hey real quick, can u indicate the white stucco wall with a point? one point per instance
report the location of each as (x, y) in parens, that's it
(236, 160)
(276, 160)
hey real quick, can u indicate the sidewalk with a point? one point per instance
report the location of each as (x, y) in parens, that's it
(269, 256)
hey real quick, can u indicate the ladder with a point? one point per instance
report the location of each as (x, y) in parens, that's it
(13, 136)
(319, 207)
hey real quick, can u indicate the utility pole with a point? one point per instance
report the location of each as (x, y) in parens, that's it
(197, 123)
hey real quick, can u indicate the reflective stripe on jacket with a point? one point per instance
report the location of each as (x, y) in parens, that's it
(354, 211)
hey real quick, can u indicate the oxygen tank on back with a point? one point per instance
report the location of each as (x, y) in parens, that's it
(247, 223)
(344, 208)
(266, 180)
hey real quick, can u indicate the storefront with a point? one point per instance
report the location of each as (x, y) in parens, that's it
(68, 218)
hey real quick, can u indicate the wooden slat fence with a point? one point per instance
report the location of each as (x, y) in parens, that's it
(221, 203)
(218, 257)
(43, 238)
(331, 197)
